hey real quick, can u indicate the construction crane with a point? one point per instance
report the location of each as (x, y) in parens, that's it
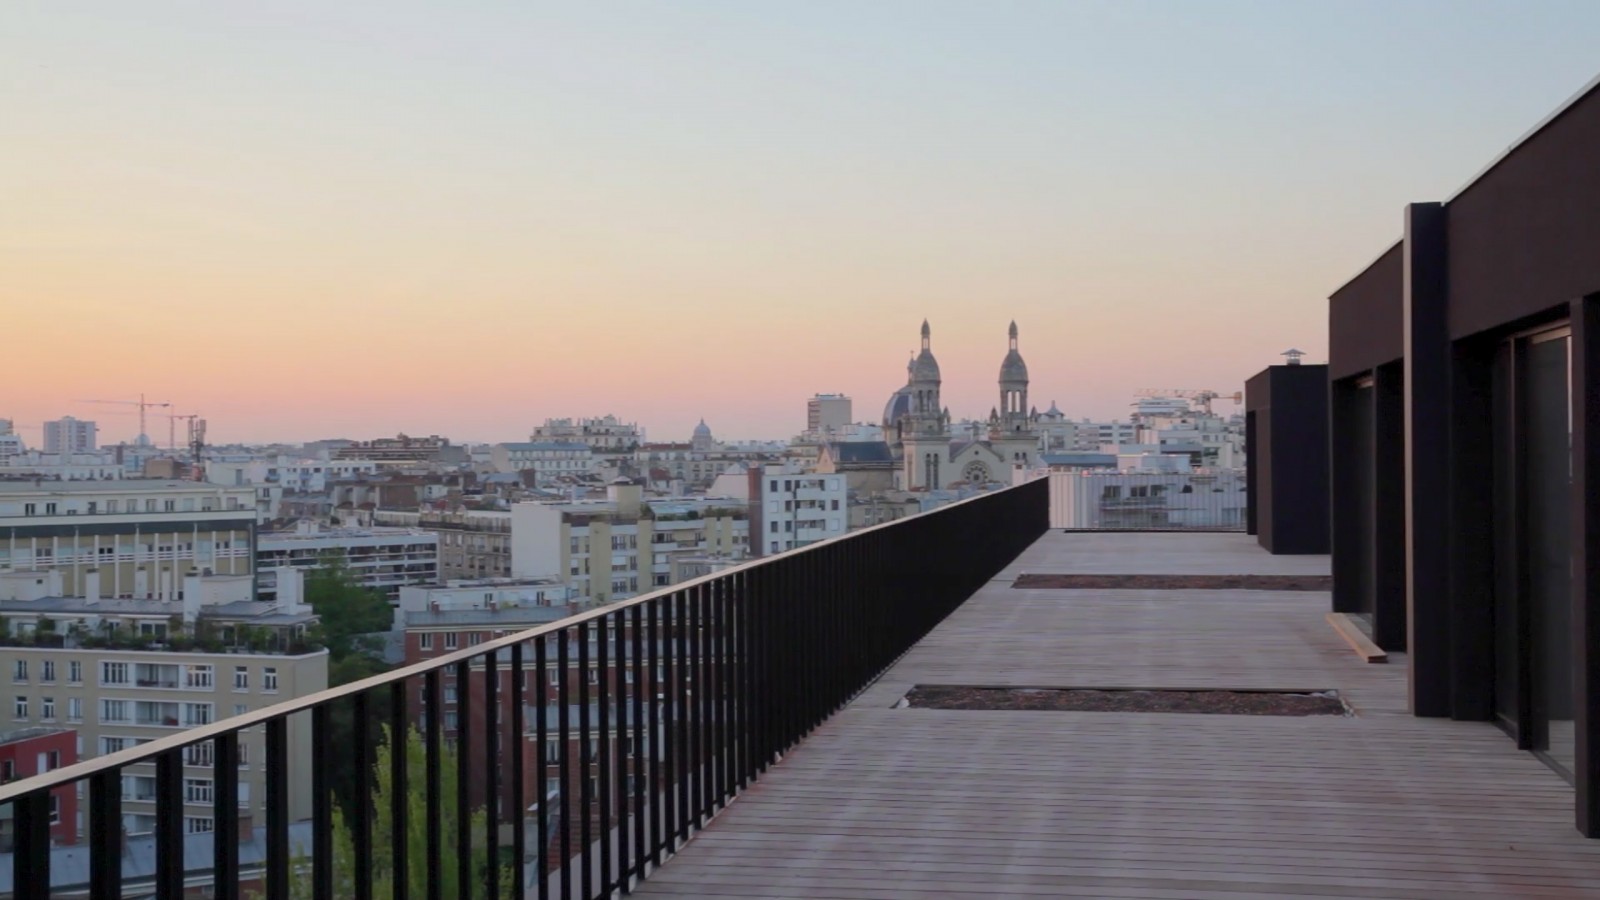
(143, 404)
(1202, 399)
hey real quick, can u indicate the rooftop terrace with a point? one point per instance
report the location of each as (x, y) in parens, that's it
(886, 802)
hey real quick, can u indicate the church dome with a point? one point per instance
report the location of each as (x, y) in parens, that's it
(702, 430)
(1013, 368)
(899, 405)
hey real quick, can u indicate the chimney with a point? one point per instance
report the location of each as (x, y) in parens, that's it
(91, 585)
(192, 589)
(626, 495)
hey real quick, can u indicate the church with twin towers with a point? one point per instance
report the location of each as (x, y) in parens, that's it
(916, 425)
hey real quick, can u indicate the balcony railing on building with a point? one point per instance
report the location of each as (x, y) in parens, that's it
(1111, 500)
(566, 760)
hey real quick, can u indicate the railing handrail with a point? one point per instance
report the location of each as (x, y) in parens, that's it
(149, 751)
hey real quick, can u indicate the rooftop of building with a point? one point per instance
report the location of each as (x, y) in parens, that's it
(545, 445)
(28, 734)
(117, 485)
(1012, 803)
(347, 532)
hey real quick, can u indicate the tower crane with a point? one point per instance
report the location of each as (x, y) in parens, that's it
(143, 405)
(1201, 398)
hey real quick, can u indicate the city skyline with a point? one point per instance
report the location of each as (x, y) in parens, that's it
(352, 222)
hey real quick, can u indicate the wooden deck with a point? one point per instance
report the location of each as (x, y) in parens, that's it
(885, 802)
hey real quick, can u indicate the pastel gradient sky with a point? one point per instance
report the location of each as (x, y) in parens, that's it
(315, 219)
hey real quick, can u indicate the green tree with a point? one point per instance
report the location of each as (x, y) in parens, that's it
(416, 835)
(349, 611)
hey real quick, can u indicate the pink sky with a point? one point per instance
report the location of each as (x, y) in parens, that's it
(333, 221)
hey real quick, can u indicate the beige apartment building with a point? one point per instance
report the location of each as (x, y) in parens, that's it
(124, 672)
(622, 546)
(143, 536)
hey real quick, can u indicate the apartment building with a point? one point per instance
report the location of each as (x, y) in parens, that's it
(69, 435)
(623, 545)
(25, 752)
(789, 507)
(602, 434)
(122, 672)
(383, 559)
(827, 415)
(547, 460)
(142, 536)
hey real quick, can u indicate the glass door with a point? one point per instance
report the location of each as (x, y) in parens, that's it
(1546, 419)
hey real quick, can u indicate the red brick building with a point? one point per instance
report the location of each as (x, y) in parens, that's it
(33, 751)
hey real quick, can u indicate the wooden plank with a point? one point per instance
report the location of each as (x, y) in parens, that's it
(882, 802)
(1356, 638)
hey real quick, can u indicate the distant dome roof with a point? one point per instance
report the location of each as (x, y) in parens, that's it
(925, 367)
(1013, 369)
(899, 405)
(702, 430)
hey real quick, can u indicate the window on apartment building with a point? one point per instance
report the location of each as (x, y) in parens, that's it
(150, 505)
(20, 711)
(788, 526)
(199, 825)
(555, 676)
(269, 679)
(47, 670)
(19, 670)
(113, 673)
(199, 790)
(169, 506)
(450, 694)
(49, 509)
(836, 505)
(8, 770)
(425, 640)
(241, 678)
(475, 637)
(240, 709)
(201, 755)
(452, 640)
(29, 509)
(47, 708)
(594, 675)
(74, 672)
(52, 760)
(200, 677)
(113, 710)
(450, 719)
(195, 714)
(111, 506)
(74, 709)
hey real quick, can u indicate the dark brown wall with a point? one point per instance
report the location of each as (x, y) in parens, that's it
(1364, 325)
(1525, 236)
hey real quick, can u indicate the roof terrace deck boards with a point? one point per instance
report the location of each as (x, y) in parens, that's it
(885, 802)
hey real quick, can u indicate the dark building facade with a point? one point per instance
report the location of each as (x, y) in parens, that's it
(1464, 368)
(1286, 422)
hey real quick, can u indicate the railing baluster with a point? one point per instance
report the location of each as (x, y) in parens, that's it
(660, 795)
(694, 689)
(541, 720)
(586, 759)
(517, 747)
(493, 808)
(564, 739)
(361, 814)
(683, 719)
(322, 763)
(399, 788)
(602, 659)
(433, 739)
(30, 874)
(225, 813)
(463, 754)
(624, 742)
(105, 839)
(642, 682)
(279, 870)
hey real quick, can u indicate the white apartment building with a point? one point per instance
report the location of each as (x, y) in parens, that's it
(125, 672)
(548, 460)
(384, 559)
(789, 506)
(96, 465)
(1151, 492)
(142, 536)
(69, 435)
(622, 546)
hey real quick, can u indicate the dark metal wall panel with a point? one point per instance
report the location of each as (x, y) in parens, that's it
(1523, 237)
(1364, 321)
(1585, 583)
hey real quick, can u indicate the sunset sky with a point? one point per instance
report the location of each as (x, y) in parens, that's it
(351, 219)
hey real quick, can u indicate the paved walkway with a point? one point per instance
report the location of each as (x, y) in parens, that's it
(884, 802)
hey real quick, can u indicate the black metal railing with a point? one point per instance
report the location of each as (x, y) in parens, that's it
(1110, 500)
(440, 779)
